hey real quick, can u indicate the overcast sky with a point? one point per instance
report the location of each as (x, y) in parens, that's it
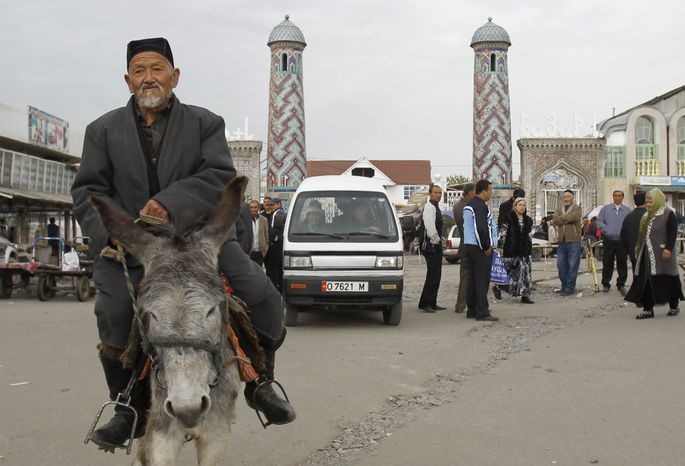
(382, 79)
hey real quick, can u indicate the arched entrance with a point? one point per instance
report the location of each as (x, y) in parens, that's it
(555, 181)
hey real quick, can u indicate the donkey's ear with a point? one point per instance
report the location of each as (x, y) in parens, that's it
(122, 229)
(226, 212)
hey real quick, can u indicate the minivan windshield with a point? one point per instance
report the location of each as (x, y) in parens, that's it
(336, 216)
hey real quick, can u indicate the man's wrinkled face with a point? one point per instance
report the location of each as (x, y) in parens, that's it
(151, 79)
(568, 198)
(618, 197)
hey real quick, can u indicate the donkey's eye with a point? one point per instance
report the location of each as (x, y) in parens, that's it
(211, 311)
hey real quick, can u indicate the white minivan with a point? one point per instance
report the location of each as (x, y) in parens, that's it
(342, 248)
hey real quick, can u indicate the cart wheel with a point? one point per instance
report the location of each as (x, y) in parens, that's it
(6, 287)
(53, 286)
(83, 289)
(45, 288)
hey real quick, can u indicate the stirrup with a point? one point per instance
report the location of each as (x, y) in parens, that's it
(123, 402)
(260, 385)
(645, 315)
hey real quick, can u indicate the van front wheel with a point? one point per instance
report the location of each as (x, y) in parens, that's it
(393, 314)
(291, 315)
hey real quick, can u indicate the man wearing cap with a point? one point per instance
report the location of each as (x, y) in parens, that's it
(161, 158)
(274, 256)
(566, 219)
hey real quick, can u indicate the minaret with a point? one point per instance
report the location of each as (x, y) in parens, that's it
(286, 155)
(491, 117)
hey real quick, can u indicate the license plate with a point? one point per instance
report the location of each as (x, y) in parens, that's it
(344, 287)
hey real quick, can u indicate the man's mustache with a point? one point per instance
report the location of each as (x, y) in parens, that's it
(145, 87)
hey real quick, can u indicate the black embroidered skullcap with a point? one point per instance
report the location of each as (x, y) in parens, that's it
(570, 192)
(157, 44)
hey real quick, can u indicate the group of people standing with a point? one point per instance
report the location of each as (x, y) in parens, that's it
(646, 235)
(479, 238)
(266, 237)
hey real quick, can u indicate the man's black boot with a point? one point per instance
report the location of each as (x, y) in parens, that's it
(260, 395)
(117, 431)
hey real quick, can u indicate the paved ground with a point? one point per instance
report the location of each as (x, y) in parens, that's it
(567, 381)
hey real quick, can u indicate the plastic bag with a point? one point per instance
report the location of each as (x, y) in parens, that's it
(70, 262)
(498, 272)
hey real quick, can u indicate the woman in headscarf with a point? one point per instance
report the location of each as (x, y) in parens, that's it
(516, 247)
(656, 279)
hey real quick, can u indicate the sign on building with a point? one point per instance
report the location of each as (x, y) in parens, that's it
(47, 130)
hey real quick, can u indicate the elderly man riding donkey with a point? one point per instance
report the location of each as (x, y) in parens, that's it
(167, 163)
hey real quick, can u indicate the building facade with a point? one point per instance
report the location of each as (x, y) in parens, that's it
(645, 148)
(286, 150)
(246, 158)
(39, 155)
(491, 114)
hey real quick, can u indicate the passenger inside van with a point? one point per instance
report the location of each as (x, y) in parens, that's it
(315, 219)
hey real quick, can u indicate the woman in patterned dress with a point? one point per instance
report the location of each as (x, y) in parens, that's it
(516, 247)
(656, 279)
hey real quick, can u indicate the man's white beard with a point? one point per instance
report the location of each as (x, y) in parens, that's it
(154, 101)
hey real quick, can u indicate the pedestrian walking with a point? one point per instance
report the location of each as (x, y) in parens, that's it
(516, 248)
(566, 219)
(480, 235)
(656, 278)
(53, 232)
(609, 222)
(631, 227)
(431, 248)
(464, 264)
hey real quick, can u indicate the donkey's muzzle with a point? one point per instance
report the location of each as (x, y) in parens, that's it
(189, 412)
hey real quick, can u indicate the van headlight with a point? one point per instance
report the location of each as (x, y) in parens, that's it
(297, 262)
(389, 262)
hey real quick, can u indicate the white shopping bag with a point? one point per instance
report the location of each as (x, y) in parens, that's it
(70, 262)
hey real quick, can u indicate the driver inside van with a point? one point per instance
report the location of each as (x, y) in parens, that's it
(361, 217)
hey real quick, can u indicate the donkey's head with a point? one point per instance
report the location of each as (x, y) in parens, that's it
(181, 299)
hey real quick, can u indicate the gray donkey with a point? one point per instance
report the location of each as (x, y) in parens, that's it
(182, 307)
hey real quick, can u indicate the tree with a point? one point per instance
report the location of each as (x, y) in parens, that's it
(458, 179)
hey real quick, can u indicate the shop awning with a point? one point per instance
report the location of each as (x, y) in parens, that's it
(33, 200)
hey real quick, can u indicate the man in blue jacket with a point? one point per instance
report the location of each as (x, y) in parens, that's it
(610, 221)
(480, 235)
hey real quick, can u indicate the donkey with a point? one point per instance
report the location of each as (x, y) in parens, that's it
(181, 302)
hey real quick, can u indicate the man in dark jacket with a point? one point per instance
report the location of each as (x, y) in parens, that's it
(161, 158)
(274, 256)
(464, 264)
(631, 226)
(480, 236)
